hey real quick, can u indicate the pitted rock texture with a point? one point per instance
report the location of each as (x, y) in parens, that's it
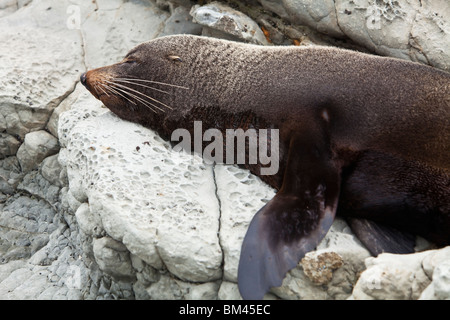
(417, 30)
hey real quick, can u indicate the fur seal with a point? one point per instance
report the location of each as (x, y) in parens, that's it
(363, 136)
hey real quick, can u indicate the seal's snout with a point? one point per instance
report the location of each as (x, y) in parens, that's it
(83, 79)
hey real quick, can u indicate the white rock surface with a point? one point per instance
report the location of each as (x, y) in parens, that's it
(339, 244)
(40, 70)
(241, 195)
(172, 216)
(320, 14)
(111, 28)
(437, 268)
(417, 30)
(424, 275)
(222, 21)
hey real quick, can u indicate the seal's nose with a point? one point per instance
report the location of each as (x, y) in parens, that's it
(83, 79)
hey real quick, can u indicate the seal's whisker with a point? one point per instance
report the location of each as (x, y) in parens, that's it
(114, 91)
(155, 82)
(138, 92)
(143, 101)
(139, 99)
(118, 93)
(140, 84)
(96, 89)
(99, 86)
(132, 96)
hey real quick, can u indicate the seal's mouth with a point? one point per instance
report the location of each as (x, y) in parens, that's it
(93, 82)
(83, 79)
(129, 91)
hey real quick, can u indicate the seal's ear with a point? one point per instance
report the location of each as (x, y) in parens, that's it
(294, 221)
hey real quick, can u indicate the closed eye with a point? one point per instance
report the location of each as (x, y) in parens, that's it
(130, 61)
(175, 58)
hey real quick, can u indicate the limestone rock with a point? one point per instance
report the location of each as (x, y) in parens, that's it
(38, 73)
(155, 222)
(50, 169)
(241, 195)
(36, 147)
(10, 175)
(437, 267)
(179, 22)
(89, 222)
(224, 22)
(422, 275)
(44, 254)
(26, 224)
(319, 14)
(341, 257)
(416, 30)
(8, 145)
(113, 258)
(106, 40)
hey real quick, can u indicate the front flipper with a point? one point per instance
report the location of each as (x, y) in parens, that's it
(294, 221)
(280, 234)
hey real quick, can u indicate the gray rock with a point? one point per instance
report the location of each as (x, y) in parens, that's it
(168, 288)
(36, 147)
(51, 169)
(180, 22)
(320, 14)
(10, 175)
(414, 30)
(119, 26)
(10, 6)
(26, 225)
(89, 222)
(8, 145)
(437, 267)
(113, 258)
(229, 291)
(430, 34)
(224, 22)
(42, 61)
(38, 73)
(36, 185)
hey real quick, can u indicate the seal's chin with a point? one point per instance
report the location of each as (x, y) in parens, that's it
(110, 101)
(96, 83)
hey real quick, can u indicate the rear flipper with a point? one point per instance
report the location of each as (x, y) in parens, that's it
(294, 221)
(393, 200)
(379, 238)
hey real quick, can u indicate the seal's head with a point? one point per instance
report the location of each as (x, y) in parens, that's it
(142, 83)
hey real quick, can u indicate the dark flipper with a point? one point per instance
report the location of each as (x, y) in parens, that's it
(379, 238)
(294, 221)
(279, 235)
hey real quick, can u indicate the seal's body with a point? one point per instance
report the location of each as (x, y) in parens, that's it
(367, 132)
